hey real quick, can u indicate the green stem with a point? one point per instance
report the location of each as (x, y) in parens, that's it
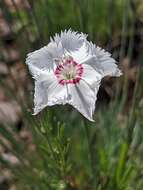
(32, 14)
(132, 115)
(51, 148)
(45, 134)
(90, 157)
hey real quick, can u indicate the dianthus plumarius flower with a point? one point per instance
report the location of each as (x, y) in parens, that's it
(69, 70)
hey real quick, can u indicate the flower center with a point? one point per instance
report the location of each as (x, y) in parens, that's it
(68, 71)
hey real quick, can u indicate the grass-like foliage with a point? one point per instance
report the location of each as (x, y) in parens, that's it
(68, 152)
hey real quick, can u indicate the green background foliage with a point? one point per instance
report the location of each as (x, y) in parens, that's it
(70, 152)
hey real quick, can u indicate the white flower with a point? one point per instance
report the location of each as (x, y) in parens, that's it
(69, 70)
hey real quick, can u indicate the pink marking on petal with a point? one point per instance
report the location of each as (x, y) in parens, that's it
(69, 71)
(71, 81)
(62, 81)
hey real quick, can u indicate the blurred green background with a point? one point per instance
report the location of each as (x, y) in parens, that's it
(59, 149)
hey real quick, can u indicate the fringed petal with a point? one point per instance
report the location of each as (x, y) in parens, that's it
(44, 58)
(102, 61)
(70, 40)
(83, 99)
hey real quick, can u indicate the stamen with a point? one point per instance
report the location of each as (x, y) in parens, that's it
(68, 71)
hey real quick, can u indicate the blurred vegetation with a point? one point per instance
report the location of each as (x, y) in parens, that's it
(70, 153)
